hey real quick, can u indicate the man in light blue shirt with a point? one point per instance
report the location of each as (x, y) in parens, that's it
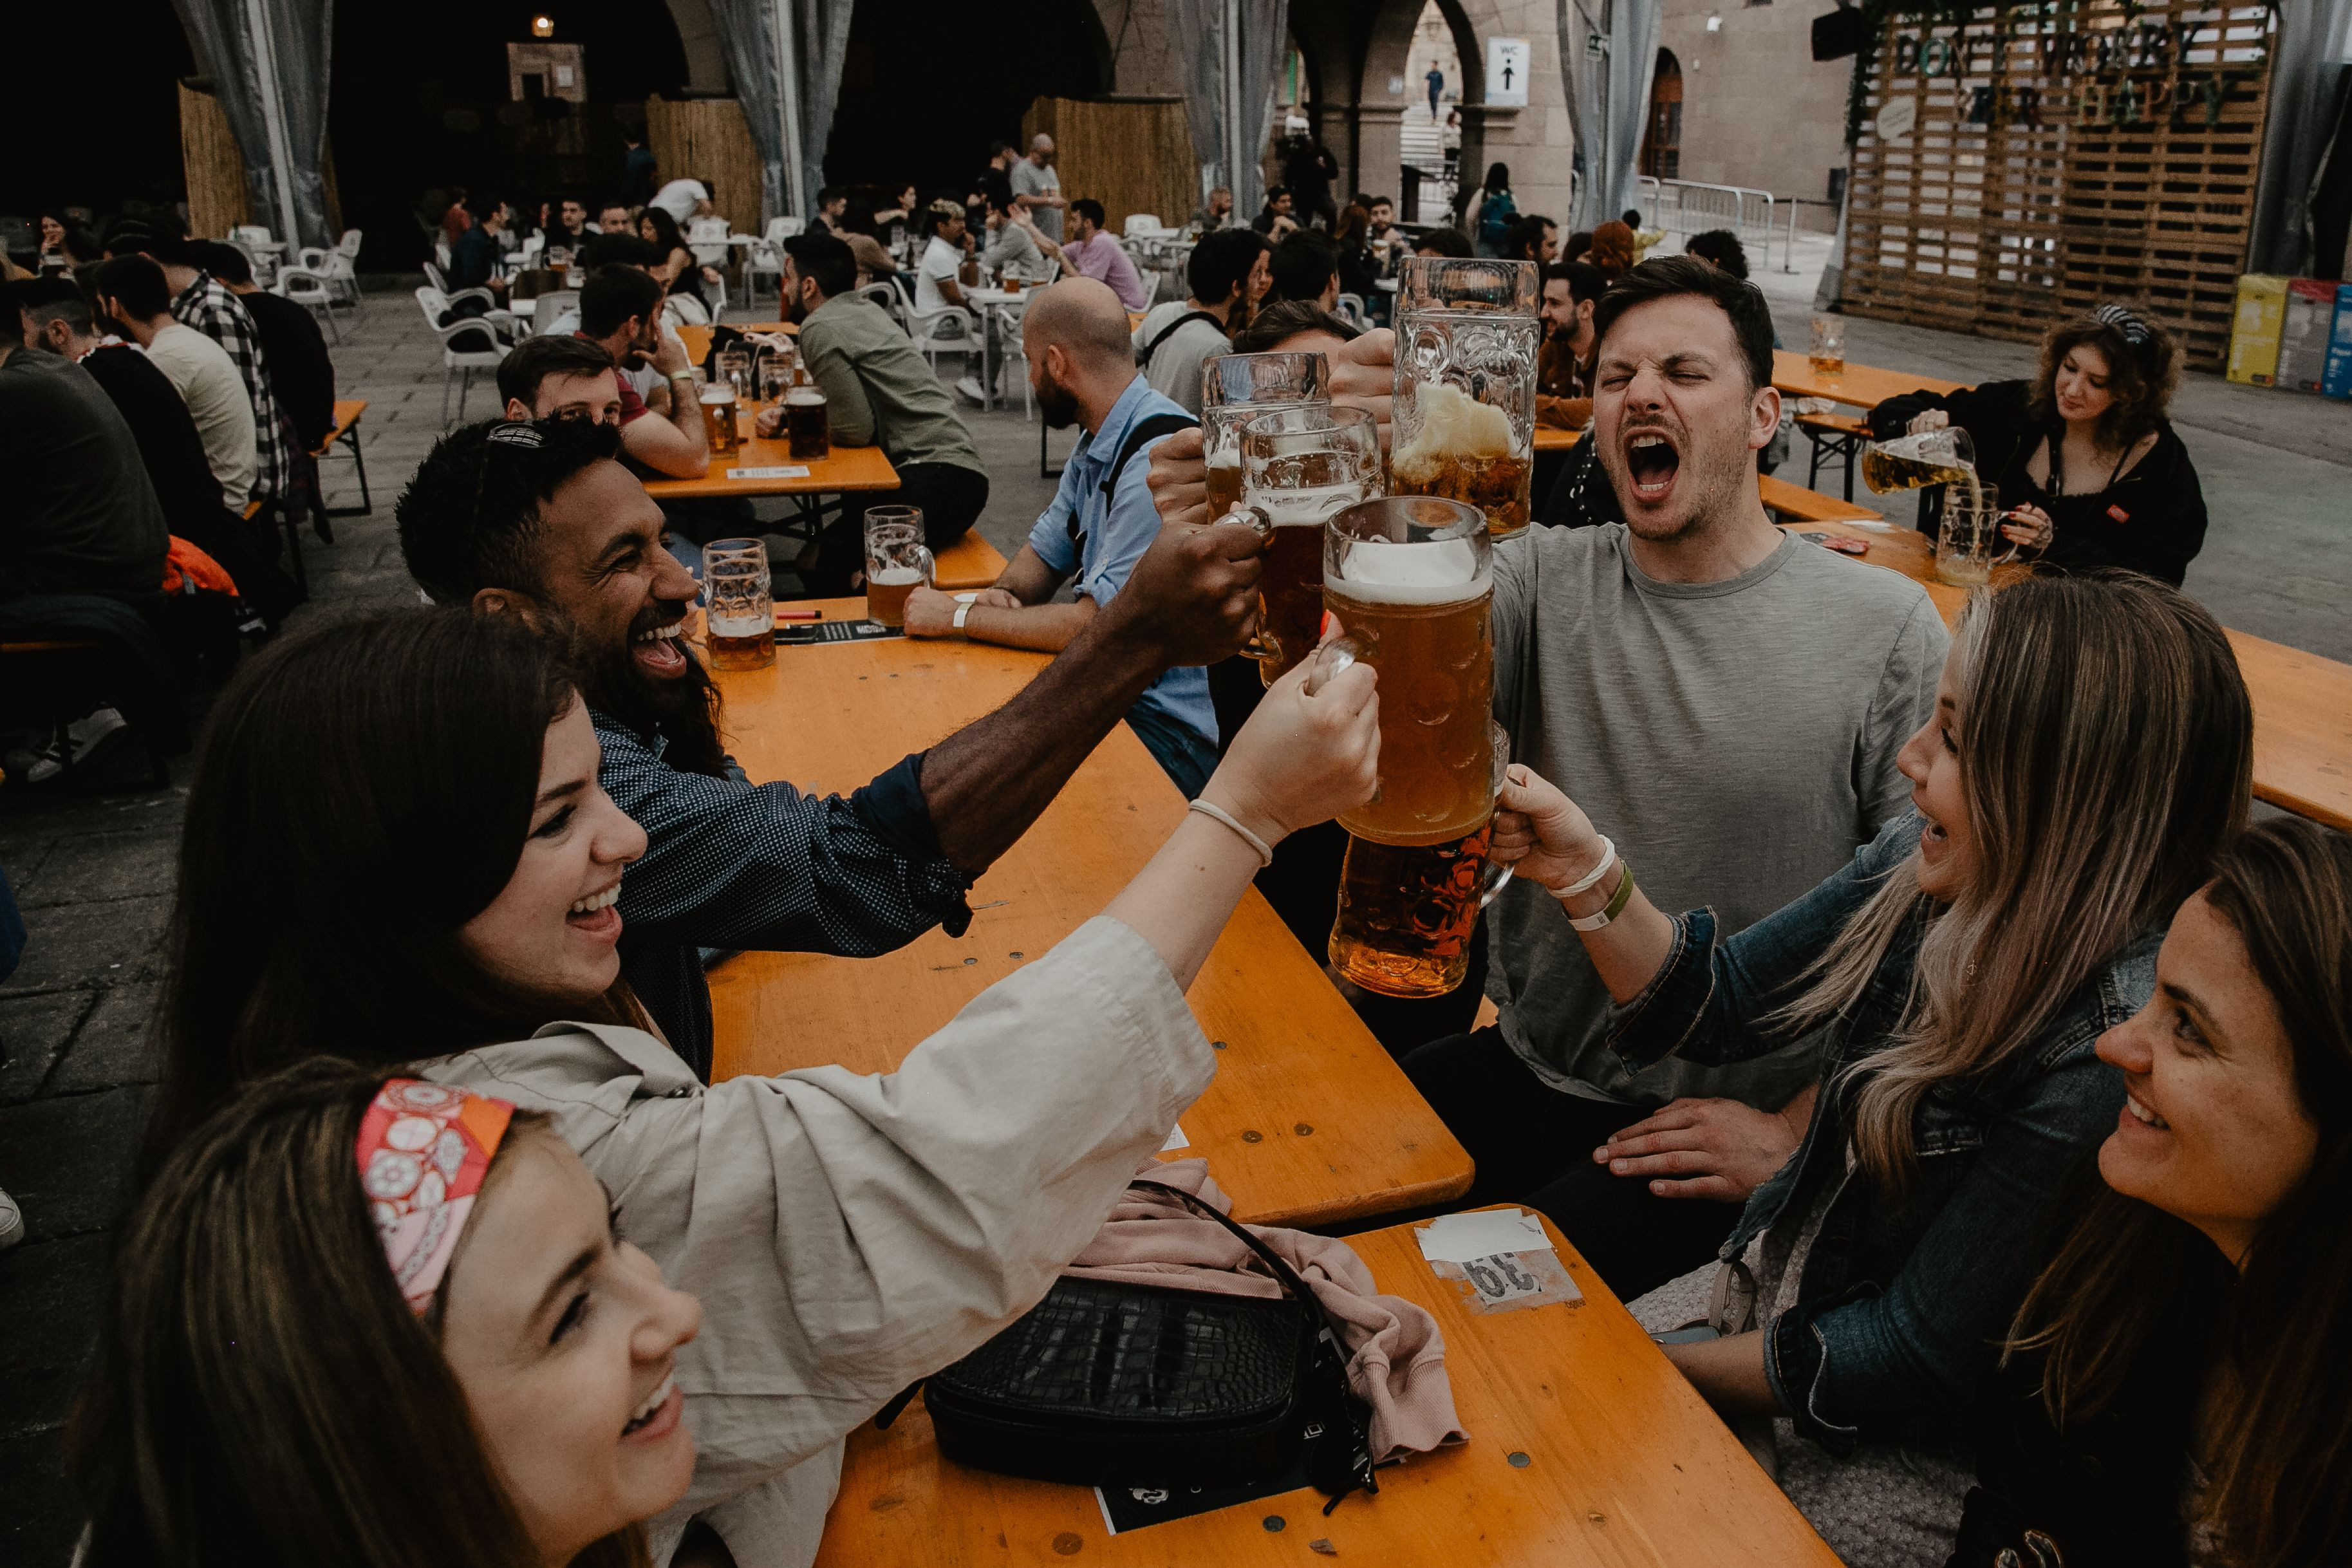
(1082, 369)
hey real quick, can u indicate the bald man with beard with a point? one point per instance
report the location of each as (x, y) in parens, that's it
(1082, 370)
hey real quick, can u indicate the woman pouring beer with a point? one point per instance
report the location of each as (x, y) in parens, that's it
(1961, 968)
(398, 853)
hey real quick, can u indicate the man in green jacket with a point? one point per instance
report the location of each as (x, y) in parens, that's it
(878, 390)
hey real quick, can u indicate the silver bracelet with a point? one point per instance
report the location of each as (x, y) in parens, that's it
(1215, 813)
(1592, 878)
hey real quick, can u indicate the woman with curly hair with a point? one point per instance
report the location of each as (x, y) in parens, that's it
(1614, 249)
(2088, 468)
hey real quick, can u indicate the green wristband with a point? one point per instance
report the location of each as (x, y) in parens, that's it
(1616, 905)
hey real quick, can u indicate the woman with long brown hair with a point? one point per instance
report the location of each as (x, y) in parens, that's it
(2181, 1386)
(379, 1323)
(397, 851)
(2088, 469)
(1958, 973)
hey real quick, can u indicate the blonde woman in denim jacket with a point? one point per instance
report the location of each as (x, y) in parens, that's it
(2089, 756)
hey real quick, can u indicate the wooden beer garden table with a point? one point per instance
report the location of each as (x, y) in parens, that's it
(2303, 703)
(1586, 1448)
(1548, 439)
(842, 469)
(696, 338)
(1308, 1120)
(1857, 385)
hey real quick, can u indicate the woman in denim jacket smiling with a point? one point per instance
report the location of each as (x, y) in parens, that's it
(2089, 755)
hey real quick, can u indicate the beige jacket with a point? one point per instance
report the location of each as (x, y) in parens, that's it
(847, 1234)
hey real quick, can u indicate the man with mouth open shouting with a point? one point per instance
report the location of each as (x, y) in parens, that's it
(542, 522)
(1738, 697)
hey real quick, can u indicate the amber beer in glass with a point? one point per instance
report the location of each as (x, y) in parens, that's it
(807, 437)
(1299, 466)
(719, 425)
(896, 563)
(1409, 581)
(739, 610)
(1467, 334)
(1236, 389)
(1406, 913)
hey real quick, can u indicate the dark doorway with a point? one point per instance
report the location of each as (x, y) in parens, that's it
(420, 103)
(1662, 137)
(928, 85)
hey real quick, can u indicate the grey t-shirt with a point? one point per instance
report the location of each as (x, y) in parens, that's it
(1029, 180)
(1736, 739)
(1174, 368)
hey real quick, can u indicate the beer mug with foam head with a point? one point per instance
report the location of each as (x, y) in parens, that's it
(1300, 465)
(1406, 913)
(1467, 339)
(1235, 389)
(1410, 580)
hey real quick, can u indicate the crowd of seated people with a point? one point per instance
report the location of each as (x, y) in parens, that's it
(1962, 1094)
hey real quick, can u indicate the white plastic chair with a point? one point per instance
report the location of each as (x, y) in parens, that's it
(885, 294)
(1350, 308)
(1142, 226)
(532, 250)
(783, 228)
(765, 259)
(305, 287)
(252, 234)
(952, 330)
(436, 276)
(463, 363)
(707, 237)
(551, 308)
(348, 247)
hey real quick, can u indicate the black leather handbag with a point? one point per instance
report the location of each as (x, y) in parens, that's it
(1112, 1385)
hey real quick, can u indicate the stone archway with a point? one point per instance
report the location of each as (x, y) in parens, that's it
(706, 62)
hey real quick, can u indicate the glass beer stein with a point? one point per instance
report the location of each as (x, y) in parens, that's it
(896, 563)
(1299, 466)
(1406, 914)
(1969, 541)
(1235, 389)
(1464, 428)
(1410, 580)
(1945, 456)
(718, 425)
(740, 610)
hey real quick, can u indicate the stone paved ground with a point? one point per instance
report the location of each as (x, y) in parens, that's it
(94, 872)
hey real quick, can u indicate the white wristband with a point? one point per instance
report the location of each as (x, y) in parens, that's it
(1592, 878)
(1219, 814)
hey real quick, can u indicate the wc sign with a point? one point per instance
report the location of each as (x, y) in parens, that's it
(1506, 71)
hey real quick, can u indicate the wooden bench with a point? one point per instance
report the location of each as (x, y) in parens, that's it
(347, 431)
(1802, 505)
(970, 562)
(1836, 438)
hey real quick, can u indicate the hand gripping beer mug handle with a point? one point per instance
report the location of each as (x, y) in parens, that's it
(1331, 662)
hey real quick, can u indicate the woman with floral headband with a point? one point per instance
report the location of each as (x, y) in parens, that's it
(380, 1323)
(2090, 471)
(397, 852)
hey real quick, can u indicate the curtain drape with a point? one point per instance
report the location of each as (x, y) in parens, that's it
(820, 38)
(1608, 93)
(267, 63)
(2311, 34)
(1264, 33)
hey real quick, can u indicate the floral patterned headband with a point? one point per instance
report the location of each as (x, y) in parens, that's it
(424, 1150)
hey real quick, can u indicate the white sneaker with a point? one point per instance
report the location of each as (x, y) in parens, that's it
(971, 388)
(12, 1221)
(87, 733)
(31, 767)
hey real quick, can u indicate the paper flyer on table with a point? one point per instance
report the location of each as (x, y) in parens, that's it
(779, 471)
(1465, 1237)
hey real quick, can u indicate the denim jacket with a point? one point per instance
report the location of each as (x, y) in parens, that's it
(1903, 1303)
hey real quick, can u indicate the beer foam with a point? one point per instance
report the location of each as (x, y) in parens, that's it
(1231, 458)
(896, 576)
(719, 392)
(1453, 424)
(751, 625)
(803, 397)
(1434, 571)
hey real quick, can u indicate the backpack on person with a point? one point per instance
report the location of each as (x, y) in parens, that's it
(1497, 214)
(1143, 359)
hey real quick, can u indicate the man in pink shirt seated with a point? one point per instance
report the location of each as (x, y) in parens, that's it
(1091, 253)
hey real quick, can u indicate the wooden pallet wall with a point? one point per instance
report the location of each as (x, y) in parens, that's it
(2065, 153)
(1132, 155)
